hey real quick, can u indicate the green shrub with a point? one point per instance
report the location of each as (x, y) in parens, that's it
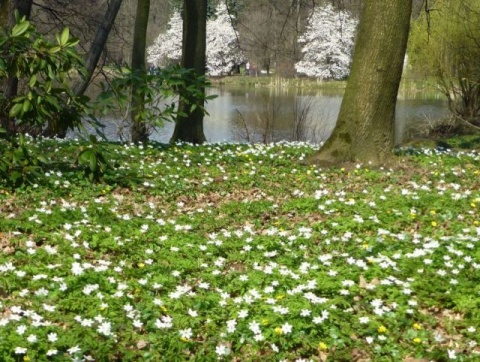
(160, 89)
(44, 103)
(20, 162)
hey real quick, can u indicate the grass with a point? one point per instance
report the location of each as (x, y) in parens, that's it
(243, 253)
(276, 81)
(410, 87)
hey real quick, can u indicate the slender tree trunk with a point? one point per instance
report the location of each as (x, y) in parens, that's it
(5, 6)
(139, 128)
(10, 86)
(365, 128)
(189, 128)
(97, 47)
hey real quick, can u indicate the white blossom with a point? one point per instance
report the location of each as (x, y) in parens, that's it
(223, 51)
(328, 44)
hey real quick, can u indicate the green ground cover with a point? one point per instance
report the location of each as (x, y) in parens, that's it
(243, 253)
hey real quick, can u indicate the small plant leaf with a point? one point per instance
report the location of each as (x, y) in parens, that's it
(15, 110)
(64, 37)
(20, 28)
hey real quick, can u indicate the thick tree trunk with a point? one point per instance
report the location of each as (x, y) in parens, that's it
(10, 86)
(139, 128)
(97, 47)
(365, 128)
(189, 128)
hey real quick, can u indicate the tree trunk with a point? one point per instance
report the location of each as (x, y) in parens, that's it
(4, 12)
(97, 47)
(189, 128)
(139, 128)
(10, 85)
(365, 129)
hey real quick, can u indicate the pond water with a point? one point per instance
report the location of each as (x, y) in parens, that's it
(250, 114)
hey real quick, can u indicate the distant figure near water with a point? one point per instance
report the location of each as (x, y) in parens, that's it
(247, 68)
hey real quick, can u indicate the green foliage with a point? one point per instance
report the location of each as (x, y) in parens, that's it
(42, 68)
(160, 89)
(444, 46)
(93, 160)
(20, 162)
(45, 104)
(250, 253)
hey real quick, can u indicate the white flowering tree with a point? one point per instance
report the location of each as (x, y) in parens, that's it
(328, 44)
(223, 51)
(167, 47)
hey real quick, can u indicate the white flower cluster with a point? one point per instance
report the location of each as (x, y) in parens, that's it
(328, 44)
(223, 51)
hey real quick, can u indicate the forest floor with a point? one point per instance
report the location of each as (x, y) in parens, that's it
(243, 253)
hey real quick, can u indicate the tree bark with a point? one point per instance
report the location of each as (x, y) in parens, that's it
(365, 129)
(139, 127)
(10, 85)
(5, 6)
(97, 47)
(189, 128)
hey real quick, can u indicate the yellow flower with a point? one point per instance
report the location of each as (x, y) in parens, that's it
(475, 222)
(322, 346)
(278, 330)
(265, 321)
(417, 326)
(417, 340)
(26, 358)
(433, 212)
(382, 329)
(434, 223)
(163, 308)
(184, 339)
(473, 205)
(141, 265)
(280, 297)
(364, 246)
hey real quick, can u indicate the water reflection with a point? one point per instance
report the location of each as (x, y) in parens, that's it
(273, 114)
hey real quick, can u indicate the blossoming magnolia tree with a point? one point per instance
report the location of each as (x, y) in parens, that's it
(223, 51)
(328, 44)
(167, 47)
